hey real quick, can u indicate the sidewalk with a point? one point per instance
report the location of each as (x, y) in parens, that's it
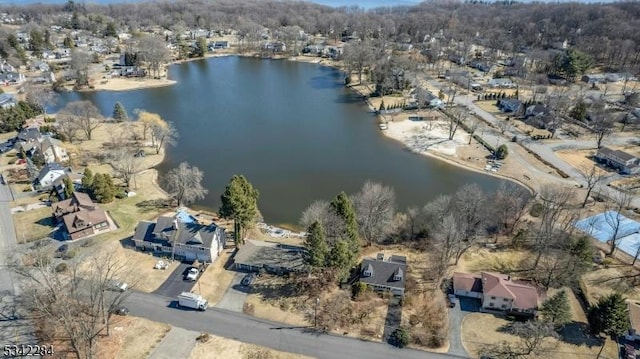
(178, 343)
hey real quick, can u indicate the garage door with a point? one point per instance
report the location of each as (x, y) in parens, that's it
(188, 256)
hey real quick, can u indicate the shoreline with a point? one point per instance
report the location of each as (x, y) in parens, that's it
(306, 59)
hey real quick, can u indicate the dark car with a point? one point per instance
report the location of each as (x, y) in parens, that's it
(120, 311)
(248, 279)
(452, 300)
(2, 180)
(62, 250)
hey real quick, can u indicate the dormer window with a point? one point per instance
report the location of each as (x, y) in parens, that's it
(367, 271)
(397, 275)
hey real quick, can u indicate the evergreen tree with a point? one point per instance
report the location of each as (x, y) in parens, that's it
(103, 188)
(502, 152)
(579, 111)
(240, 203)
(382, 107)
(68, 187)
(32, 170)
(316, 245)
(201, 47)
(610, 315)
(343, 207)
(68, 42)
(110, 30)
(340, 258)
(87, 179)
(556, 309)
(119, 112)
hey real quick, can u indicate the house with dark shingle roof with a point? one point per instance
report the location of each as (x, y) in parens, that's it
(384, 275)
(81, 217)
(49, 173)
(181, 236)
(626, 163)
(497, 292)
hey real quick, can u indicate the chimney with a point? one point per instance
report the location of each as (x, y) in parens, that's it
(380, 256)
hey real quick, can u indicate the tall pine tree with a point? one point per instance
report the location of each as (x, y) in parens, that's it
(316, 245)
(610, 315)
(340, 258)
(556, 309)
(68, 187)
(240, 203)
(87, 180)
(119, 112)
(343, 207)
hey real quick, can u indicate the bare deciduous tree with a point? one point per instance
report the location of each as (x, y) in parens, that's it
(614, 205)
(457, 115)
(531, 334)
(154, 52)
(124, 164)
(592, 176)
(79, 301)
(554, 201)
(164, 134)
(86, 116)
(42, 96)
(509, 203)
(358, 55)
(375, 208)
(80, 61)
(184, 183)
(67, 125)
(321, 211)
(503, 126)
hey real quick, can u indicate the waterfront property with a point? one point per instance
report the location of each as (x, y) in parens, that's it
(384, 275)
(80, 216)
(607, 225)
(180, 236)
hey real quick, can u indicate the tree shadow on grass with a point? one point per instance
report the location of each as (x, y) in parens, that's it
(577, 333)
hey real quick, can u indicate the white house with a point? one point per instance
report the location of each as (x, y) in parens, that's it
(634, 321)
(50, 173)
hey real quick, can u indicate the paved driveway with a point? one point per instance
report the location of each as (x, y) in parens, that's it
(463, 307)
(175, 284)
(235, 295)
(178, 343)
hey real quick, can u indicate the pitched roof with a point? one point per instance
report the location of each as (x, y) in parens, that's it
(384, 272)
(75, 203)
(500, 285)
(83, 219)
(467, 282)
(49, 167)
(164, 232)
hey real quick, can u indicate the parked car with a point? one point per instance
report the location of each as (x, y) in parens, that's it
(2, 180)
(161, 265)
(452, 300)
(117, 286)
(120, 311)
(192, 274)
(62, 250)
(248, 279)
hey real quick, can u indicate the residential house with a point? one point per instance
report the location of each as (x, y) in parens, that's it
(80, 216)
(594, 78)
(11, 78)
(509, 105)
(277, 46)
(501, 83)
(497, 292)
(181, 236)
(482, 66)
(634, 321)
(7, 101)
(49, 148)
(49, 174)
(28, 134)
(271, 257)
(626, 163)
(220, 45)
(381, 275)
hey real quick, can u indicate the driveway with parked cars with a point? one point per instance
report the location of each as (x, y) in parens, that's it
(176, 283)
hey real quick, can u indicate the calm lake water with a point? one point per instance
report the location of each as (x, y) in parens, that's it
(291, 128)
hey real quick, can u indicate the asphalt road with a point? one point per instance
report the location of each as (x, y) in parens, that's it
(277, 336)
(175, 283)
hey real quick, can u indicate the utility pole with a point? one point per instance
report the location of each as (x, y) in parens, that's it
(315, 313)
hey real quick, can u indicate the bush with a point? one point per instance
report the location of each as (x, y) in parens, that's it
(203, 338)
(62, 267)
(400, 337)
(502, 152)
(358, 289)
(12, 161)
(121, 193)
(536, 210)
(27, 189)
(69, 255)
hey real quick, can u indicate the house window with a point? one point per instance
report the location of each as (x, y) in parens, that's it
(505, 299)
(503, 306)
(493, 297)
(491, 304)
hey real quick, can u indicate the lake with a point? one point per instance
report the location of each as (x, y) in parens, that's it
(291, 128)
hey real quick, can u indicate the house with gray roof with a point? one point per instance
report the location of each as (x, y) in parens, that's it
(181, 236)
(385, 275)
(272, 257)
(625, 162)
(7, 101)
(50, 173)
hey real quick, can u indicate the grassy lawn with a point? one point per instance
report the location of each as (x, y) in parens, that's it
(34, 224)
(228, 348)
(215, 280)
(607, 280)
(131, 337)
(479, 329)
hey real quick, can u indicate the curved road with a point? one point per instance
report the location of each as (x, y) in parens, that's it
(277, 336)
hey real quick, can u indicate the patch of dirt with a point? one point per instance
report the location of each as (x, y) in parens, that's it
(604, 281)
(131, 338)
(581, 160)
(228, 348)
